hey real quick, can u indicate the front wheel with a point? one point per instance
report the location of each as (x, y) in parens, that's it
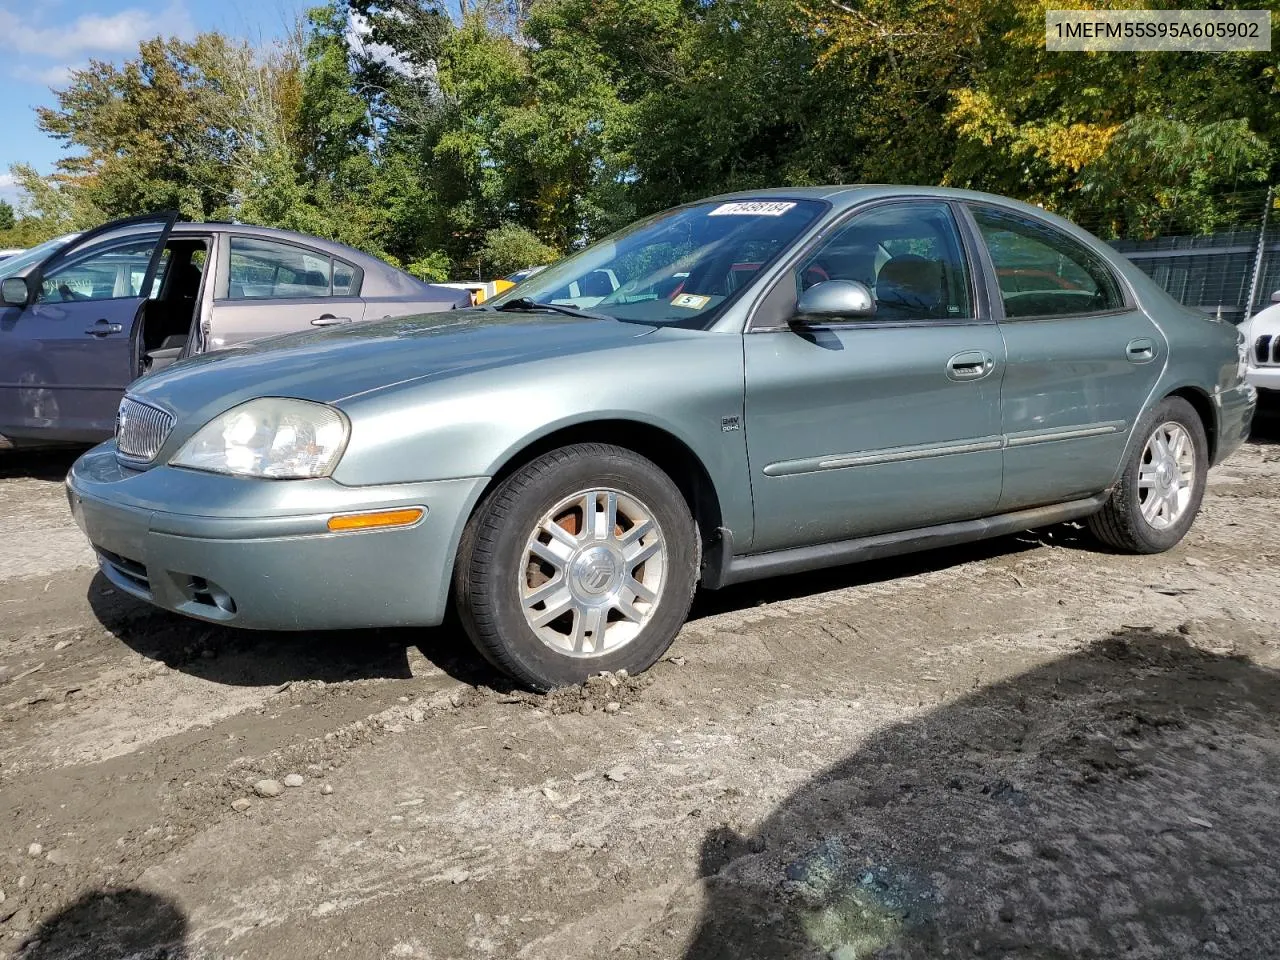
(583, 560)
(1159, 493)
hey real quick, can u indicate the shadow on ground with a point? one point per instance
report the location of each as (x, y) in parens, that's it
(261, 658)
(253, 658)
(50, 463)
(110, 924)
(1266, 422)
(1121, 802)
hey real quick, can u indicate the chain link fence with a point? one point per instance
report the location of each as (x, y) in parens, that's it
(1230, 271)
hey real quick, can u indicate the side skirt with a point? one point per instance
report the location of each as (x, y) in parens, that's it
(775, 563)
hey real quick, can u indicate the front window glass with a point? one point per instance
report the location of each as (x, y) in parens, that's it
(677, 268)
(908, 255)
(1043, 272)
(112, 270)
(265, 270)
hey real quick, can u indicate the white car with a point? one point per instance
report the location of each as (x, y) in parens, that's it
(1263, 336)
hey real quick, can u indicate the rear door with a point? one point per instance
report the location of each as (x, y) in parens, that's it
(68, 356)
(1082, 359)
(273, 286)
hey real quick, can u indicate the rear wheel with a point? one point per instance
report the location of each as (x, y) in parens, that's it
(583, 560)
(1159, 493)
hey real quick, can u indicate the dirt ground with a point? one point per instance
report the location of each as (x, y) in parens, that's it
(1027, 747)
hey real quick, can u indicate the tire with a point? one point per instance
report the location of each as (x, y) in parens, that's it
(562, 500)
(1125, 523)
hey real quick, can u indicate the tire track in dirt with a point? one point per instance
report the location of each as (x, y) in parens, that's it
(465, 821)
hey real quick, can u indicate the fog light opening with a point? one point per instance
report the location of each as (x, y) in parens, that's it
(211, 595)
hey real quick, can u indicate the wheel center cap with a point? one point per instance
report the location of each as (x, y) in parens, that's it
(594, 570)
(1165, 474)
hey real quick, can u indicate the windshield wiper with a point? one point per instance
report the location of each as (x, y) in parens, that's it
(525, 303)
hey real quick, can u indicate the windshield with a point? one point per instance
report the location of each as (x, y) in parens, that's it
(19, 264)
(679, 267)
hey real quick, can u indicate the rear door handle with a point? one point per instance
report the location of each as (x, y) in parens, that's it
(329, 320)
(102, 329)
(970, 365)
(1142, 350)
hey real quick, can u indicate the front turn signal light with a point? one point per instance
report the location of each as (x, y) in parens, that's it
(376, 520)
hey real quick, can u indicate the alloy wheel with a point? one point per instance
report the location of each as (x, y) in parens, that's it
(1166, 475)
(593, 572)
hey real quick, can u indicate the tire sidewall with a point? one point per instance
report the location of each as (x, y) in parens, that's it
(611, 468)
(1177, 410)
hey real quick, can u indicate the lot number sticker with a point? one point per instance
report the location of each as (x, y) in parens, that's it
(690, 301)
(752, 208)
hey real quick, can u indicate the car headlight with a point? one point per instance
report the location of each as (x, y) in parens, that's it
(269, 437)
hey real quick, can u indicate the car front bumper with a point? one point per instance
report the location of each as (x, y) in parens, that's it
(1264, 378)
(258, 553)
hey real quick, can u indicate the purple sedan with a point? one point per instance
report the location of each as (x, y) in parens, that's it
(84, 315)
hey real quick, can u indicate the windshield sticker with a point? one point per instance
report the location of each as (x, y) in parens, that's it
(752, 208)
(690, 301)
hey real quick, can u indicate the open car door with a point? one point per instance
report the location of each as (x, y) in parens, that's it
(72, 350)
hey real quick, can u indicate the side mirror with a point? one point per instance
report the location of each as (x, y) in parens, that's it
(836, 300)
(1275, 297)
(14, 291)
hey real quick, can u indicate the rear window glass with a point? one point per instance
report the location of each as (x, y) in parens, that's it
(1041, 271)
(264, 269)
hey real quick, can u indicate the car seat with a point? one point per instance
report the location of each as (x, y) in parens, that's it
(908, 287)
(595, 284)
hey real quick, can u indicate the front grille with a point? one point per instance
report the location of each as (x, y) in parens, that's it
(141, 430)
(1267, 349)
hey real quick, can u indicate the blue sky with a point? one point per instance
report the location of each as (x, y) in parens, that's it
(45, 39)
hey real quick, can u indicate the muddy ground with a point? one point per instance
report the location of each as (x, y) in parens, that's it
(1027, 748)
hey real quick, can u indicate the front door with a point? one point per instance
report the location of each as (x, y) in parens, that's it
(66, 358)
(887, 424)
(1082, 360)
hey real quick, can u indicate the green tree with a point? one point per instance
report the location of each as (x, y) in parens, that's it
(8, 218)
(150, 134)
(511, 247)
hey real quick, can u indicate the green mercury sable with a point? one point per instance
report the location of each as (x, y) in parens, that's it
(751, 385)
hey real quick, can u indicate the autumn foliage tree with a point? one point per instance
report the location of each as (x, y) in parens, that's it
(428, 134)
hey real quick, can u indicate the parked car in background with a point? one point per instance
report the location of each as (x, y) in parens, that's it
(773, 382)
(84, 315)
(1263, 334)
(10, 252)
(483, 290)
(22, 261)
(521, 275)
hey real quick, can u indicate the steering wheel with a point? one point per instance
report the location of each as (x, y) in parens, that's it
(66, 293)
(813, 274)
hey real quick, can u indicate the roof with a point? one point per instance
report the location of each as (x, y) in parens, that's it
(842, 195)
(381, 279)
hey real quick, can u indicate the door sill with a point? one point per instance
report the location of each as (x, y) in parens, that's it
(776, 563)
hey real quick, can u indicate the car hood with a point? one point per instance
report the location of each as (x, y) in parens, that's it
(338, 363)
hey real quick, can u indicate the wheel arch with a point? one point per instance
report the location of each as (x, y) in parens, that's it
(1204, 408)
(668, 451)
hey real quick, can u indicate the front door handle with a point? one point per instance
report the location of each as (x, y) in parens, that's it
(329, 320)
(1142, 350)
(970, 365)
(103, 329)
